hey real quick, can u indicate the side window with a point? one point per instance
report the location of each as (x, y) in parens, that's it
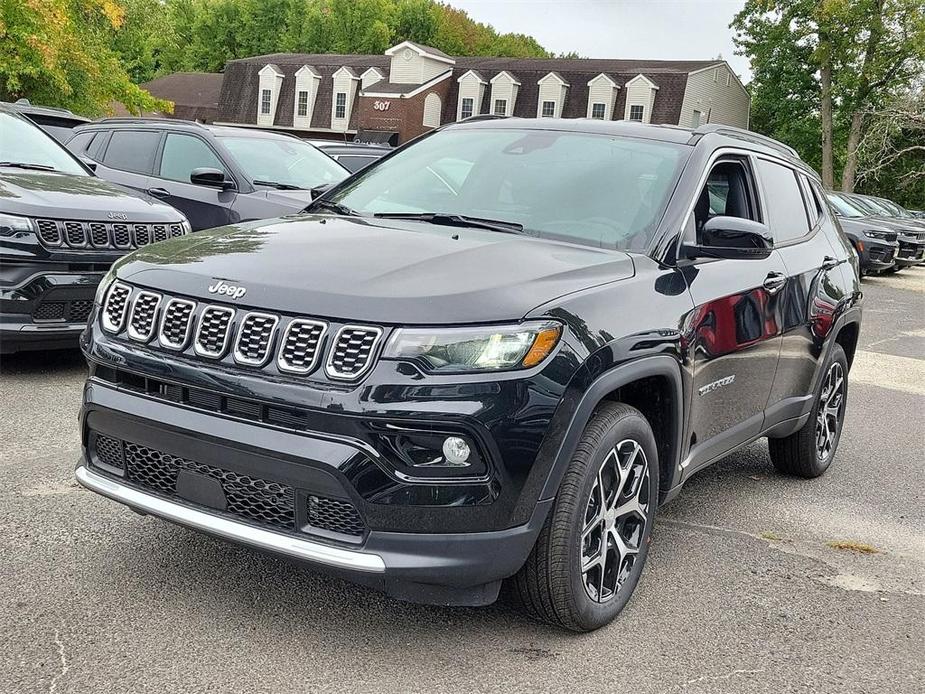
(80, 143)
(132, 150)
(728, 192)
(786, 209)
(813, 206)
(182, 154)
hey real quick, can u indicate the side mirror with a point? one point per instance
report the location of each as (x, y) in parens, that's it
(318, 191)
(732, 238)
(88, 162)
(205, 176)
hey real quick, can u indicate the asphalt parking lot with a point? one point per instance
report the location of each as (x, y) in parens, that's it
(755, 581)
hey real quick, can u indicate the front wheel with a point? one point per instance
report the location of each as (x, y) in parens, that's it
(590, 553)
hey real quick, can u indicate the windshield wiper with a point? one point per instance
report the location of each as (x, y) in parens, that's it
(280, 186)
(27, 165)
(335, 207)
(457, 220)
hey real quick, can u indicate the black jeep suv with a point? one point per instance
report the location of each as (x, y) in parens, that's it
(489, 356)
(214, 175)
(61, 228)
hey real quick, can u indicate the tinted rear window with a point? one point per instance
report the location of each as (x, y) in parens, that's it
(786, 209)
(132, 150)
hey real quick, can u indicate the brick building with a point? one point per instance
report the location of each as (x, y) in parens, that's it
(413, 88)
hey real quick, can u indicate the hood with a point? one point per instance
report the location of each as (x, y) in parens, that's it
(858, 225)
(358, 269)
(84, 198)
(903, 226)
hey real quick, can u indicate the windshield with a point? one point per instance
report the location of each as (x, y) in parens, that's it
(289, 162)
(24, 143)
(894, 209)
(871, 207)
(843, 207)
(600, 190)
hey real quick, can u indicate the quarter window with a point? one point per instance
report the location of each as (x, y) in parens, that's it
(302, 109)
(132, 150)
(500, 107)
(637, 112)
(340, 105)
(182, 154)
(786, 209)
(265, 101)
(549, 109)
(598, 111)
(465, 110)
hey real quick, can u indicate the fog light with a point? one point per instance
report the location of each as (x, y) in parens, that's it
(456, 451)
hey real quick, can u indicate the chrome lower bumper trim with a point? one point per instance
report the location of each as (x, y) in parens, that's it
(229, 529)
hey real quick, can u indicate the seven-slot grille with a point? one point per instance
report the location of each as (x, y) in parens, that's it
(257, 337)
(213, 331)
(103, 235)
(254, 339)
(301, 345)
(143, 317)
(351, 354)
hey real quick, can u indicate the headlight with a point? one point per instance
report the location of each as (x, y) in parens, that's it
(489, 348)
(11, 224)
(876, 234)
(104, 286)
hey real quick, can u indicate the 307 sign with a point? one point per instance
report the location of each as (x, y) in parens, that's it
(382, 105)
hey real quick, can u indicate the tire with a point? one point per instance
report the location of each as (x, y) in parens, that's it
(551, 586)
(810, 451)
(892, 270)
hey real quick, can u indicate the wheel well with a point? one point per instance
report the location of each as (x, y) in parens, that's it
(848, 339)
(654, 396)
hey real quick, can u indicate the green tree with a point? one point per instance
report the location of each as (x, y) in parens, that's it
(59, 53)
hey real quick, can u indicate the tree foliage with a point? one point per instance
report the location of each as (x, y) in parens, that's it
(822, 67)
(62, 53)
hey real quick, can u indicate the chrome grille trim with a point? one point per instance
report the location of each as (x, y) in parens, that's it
(188, 311)
(353, 344)
(253, 321)
(101, 235)
(117, 300)
(148, 302)
(295, 339)
(224, 317)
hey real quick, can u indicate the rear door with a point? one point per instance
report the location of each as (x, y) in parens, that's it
(204, 206)
(129, 157)
(733, 334)
(814, 288)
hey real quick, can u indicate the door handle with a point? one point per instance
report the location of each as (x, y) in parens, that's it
(829, 262)
(774, 282)
(159, 192)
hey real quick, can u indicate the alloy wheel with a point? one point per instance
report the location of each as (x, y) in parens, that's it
(615, 521)
(831, 409)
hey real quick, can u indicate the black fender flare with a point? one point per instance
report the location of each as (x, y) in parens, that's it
(656, 365)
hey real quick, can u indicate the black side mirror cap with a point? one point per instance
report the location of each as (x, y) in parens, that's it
(732, 238)
(318, 191)
(205, 176)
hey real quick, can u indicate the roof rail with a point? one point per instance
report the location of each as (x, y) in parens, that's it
(748, 135)
(482, 116)
(142, 119)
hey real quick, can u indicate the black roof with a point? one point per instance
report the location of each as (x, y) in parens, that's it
(187, 126)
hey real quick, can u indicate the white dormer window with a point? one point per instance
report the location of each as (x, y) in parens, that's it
(504, 88)
(602, 95)
(640, 99)
(472, 88)
(370, 77)
(551, 98)
(269, 82)
(340, 105)
(466, 107)
(413, 63)
(346, 83)
(307, 83)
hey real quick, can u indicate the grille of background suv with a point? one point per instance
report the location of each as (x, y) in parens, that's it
(253, 334)
(103, 235)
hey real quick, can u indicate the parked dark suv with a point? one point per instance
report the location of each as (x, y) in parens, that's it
(60, 230)
(489, 356)
(910, 231)
(214, 175)
(876, 245)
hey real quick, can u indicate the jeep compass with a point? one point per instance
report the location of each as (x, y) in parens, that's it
(487, 357)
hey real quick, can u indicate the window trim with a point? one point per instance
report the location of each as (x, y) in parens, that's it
(462, 107)
(268, 102)
(338, 106)
(544, 104)
(299, 105)
(642, 113)
(494, 109)
(603, 110)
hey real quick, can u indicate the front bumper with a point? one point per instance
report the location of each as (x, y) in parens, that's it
(911, 252)
(42, 307)
(876, 256)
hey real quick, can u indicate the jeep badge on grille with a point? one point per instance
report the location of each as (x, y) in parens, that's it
(230, 290)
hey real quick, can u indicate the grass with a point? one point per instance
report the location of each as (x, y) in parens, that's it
(773, 537)
(853, 546)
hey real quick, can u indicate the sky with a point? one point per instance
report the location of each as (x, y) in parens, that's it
(653, 29)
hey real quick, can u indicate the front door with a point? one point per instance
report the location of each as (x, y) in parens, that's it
(733, 336)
